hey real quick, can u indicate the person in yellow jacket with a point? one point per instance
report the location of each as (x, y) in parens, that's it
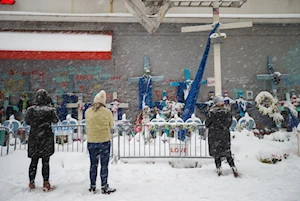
(99, 121)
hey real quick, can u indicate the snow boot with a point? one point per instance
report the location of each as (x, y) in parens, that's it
(31, 185)
(47, 186)
(219, 171)
(107, 190)
(235, 173)
(92, 189)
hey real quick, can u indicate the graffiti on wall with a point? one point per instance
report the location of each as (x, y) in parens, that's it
(58, 79)
(12, 81)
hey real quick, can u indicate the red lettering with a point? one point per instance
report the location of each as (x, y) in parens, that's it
(176, 150)
(11, 72)
(81, 88)
(64, 84)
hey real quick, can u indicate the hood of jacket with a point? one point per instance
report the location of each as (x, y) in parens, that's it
(42, 97)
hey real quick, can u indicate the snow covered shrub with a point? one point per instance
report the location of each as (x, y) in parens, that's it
(280, 136)
(277, 136)
(268, 137)
(270, 155)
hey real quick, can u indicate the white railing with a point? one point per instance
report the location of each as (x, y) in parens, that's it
(158, 138)
(161, 139)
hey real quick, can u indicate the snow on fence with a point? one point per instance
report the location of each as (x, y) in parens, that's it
(161, 145)
(69, 135)
(158, 139)
(67, 138)
(161, 139)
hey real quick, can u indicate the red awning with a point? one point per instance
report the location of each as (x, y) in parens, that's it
(55, 46)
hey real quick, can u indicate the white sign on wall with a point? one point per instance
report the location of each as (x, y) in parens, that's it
(210, 81)
(177, 149)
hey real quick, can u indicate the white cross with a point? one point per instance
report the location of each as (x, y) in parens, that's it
(217, 38)
(115, 105)
(78, 106)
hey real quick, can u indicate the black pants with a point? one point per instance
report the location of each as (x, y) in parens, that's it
(33, 168)
(228, 158)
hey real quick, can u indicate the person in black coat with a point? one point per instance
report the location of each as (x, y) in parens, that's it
(218, 123)
(40, 116)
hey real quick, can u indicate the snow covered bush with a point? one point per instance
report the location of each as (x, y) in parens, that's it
(277, 136)
(272, 154)
(280, 136)
(268, 137)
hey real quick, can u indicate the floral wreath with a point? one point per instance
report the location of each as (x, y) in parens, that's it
(272, 110)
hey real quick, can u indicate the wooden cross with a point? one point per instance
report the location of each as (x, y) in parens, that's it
(78, 106)
(145, 84)
(272, 76)
(115, 105)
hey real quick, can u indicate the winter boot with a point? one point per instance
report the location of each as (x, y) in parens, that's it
(92, 189)
(31, 185)
(107, 190)
(219, 171)
(47, 186)
(235, 173)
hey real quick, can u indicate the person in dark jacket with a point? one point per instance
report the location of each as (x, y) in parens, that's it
(218, 122)
(40, 116)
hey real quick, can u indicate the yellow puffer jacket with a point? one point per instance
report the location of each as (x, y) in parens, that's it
(98, 124)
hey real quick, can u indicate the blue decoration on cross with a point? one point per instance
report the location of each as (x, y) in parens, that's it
(182, 86)
(145, 84)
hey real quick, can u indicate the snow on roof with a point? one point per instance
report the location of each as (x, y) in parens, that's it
(59, 42)
(274, 16)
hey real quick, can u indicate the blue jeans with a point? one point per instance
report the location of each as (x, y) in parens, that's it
(99, 151)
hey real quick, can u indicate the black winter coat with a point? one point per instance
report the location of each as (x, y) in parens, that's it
(39, 117)
(218, 122)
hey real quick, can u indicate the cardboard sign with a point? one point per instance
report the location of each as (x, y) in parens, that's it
(210, 81)
(177, 149)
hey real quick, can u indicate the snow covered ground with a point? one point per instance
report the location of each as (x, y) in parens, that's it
(141, 181)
